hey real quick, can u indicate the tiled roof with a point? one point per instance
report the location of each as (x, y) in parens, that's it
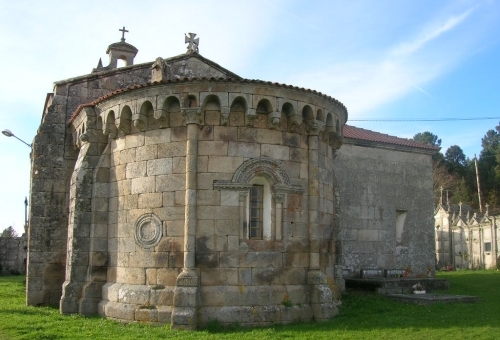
(372, 136)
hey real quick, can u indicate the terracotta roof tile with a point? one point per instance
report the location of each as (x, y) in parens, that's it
(372, 136)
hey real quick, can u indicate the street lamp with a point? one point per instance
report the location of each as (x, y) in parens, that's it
(8, 133)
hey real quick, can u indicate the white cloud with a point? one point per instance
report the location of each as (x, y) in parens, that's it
(430, 33)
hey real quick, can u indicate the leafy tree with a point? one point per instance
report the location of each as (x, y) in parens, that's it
(455, 160)
(9, 232)
(427, 138)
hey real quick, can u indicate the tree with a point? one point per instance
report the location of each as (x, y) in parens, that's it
(427, 138)
(455, 160)
(9, 232)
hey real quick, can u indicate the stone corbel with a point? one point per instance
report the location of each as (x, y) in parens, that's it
(109, 129)
(191, 115)
(250, 117)
(293, 123)
(335, 140)
(140, 121)
(123, 124)
(274, 120)
(162, 117)
(224, 115)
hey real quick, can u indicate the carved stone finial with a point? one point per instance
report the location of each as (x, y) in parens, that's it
(123, 30)
(192, 42)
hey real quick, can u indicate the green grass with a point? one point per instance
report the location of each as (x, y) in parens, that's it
(362, 316)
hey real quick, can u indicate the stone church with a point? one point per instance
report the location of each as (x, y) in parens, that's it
(176, 191)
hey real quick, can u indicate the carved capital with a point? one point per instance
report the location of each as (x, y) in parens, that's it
(192, 115)
(279, 198)
(274, 122)
(243, 196)
(314, 127)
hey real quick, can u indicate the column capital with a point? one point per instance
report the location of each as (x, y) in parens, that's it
(191, 115)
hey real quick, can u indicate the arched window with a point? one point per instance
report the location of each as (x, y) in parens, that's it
(259, 209)
(262, 183)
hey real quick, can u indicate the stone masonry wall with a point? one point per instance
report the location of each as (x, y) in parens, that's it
(240, 280)
(53, 160)
(376, 188)
(12, 255)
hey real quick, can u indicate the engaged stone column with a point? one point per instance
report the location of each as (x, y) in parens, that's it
(186, 290)
(313, 129)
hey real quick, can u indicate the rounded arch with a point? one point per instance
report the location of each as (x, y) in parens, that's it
(320, 115)
(190, 101)
(307, 113)
(147, 108)
(239, 104)
(264, 167)
(211, 110)
(329, 121)
(126, 113)
(172, 104)
(288, 110)
(264, 106)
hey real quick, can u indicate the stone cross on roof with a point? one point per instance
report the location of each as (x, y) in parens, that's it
(193, 43)
(123, 30)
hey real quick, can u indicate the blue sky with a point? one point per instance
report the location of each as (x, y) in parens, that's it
(383, 59)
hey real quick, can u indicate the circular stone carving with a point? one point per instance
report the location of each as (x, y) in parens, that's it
(148, 231)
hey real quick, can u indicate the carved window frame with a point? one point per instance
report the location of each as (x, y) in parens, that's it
(267, 172)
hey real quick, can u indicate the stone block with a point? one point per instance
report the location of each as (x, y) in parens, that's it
(119, 311)
(266, 276)
(172, 149)
(164, 314)
(143, 185)
(225, 133)
(136, 170)
(150, 200)
(179, 133)
(175, 228)
(161, 296)
(160, 166)
(159, 136)
(126, 156)
(202, 164)
(206, 180)
(278, 152)
(146, 152)
(136, 276)
(207, 259)
(219, 296)
(167, 276)
(185, 296)
(218, 276)
(229, 198)
(227, 227)
(133, 294)
(134, 140)
(228, 314)
(228, 259)
(179, 165)
(221, 164)
(184, 318)
(212, 148)
(242, 149)
(170, 182)
(146, 314)
(151, 276)
(208, 197)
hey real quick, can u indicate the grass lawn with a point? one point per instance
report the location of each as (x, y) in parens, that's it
(362, 316)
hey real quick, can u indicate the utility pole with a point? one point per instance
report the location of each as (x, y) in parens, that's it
(478, 186)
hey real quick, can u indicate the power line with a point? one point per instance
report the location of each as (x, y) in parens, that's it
(421, 120)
